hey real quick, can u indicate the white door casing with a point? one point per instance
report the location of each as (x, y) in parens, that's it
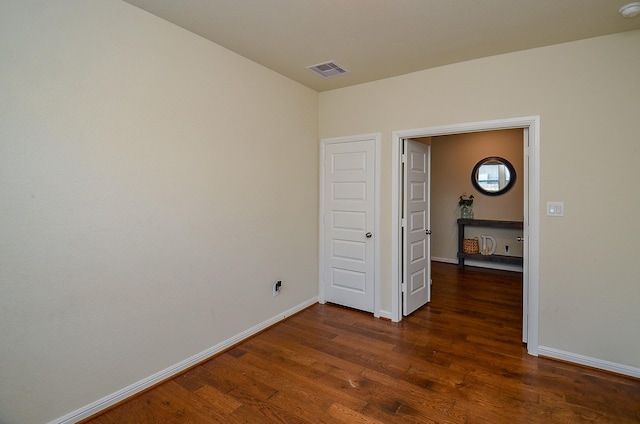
(348, 222)
(525, 235)
(416, 282)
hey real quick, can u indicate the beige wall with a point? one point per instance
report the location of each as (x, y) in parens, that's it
(587, 96)
(153, 186)
(452, 160)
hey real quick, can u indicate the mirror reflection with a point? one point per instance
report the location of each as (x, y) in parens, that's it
(493, 176)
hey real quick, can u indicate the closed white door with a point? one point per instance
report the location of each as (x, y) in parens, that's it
(416, 285)
(348, 213)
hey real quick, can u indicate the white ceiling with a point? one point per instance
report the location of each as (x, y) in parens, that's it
(377, 39)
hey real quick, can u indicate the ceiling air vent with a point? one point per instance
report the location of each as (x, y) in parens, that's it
(328, 69)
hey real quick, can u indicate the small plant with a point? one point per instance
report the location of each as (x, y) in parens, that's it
(465, 200)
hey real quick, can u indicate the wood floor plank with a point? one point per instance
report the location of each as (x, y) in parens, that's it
(299, 382)
(342, 414)
(457, 360)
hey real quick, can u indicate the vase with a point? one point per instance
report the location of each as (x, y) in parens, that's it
(466, 212)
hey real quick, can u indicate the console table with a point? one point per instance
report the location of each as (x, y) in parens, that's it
(512, 260)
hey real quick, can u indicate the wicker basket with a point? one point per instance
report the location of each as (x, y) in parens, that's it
(471, 246)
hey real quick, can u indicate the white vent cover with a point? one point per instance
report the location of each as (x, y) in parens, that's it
(328, 69)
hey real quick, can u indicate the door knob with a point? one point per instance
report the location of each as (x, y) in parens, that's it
(368, 235)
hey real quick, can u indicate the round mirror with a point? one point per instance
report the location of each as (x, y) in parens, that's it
(493, 176)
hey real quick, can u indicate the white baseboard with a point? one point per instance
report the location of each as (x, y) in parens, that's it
(550, 352)
(384, 314)
(445, 260)
(120, 395)
(480, 264)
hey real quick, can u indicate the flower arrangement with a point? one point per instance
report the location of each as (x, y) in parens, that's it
(465, 200)
(466, 206)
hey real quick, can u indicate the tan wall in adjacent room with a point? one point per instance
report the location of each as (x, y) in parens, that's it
(452, 160)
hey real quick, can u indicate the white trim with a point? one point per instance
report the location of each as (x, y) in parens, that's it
(492, 265)
(120, 395)
(550, 352)
(444, 260)
(532, 214)
(376, 137)
(384, 314)
(479, 264)
(377, 312)
(396, 227)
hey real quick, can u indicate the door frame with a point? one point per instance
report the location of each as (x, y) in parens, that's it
(531, 125)
(376, 137)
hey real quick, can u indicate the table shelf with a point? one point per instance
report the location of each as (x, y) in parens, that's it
(462, 223)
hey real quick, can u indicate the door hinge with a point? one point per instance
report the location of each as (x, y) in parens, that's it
(404, 158)
(404, 287)
(404, 222)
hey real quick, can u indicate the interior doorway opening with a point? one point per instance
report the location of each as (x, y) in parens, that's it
(455, 173)
(531, 131)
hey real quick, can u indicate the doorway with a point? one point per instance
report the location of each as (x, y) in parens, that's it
(531, 140)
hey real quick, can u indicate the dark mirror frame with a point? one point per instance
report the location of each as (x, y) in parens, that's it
(510, 184)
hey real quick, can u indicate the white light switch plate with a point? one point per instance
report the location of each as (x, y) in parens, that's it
(555, 208)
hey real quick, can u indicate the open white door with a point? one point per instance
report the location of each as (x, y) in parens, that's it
(349, 224)
(416, 284)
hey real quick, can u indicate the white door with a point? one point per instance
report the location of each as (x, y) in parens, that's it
(348, 213)
(416, 284)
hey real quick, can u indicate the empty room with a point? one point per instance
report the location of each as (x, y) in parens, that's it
(206, 211)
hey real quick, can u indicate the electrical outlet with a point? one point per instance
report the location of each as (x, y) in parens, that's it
(276, 288)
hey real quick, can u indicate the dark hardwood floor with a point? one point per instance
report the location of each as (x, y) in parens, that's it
(457, 360)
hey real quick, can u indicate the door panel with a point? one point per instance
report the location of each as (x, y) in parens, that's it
(416, 240)
(349, 202)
